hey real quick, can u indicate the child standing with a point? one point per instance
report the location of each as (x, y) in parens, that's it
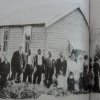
(71, 82)
(60, 81)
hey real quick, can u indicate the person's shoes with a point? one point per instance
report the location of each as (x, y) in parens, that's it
(34, 83)
(16, 81)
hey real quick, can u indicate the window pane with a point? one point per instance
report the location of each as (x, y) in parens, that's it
(6, 33)
(28, 38)
(26, 46)
(27, 42)
(5, 46)
(5, 36)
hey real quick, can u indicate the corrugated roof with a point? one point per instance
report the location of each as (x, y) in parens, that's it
(19, 12)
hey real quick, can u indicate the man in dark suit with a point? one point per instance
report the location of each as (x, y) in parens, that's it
(39, 64)
(49, 70)
(61, 64)
(17, 64)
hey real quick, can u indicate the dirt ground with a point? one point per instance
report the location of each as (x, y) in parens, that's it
(95, 96)
(69, 97)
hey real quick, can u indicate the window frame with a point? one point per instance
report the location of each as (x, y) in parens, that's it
(5, 39)
(27, 43)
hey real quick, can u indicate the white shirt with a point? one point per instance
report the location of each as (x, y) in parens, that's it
(20, 52)
(30, 60)
(39, 61)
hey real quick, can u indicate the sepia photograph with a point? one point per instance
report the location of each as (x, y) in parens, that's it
(44, 50)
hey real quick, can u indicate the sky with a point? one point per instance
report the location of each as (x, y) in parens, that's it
(9, 6)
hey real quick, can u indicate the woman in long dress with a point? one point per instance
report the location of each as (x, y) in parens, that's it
(85, 74)
(96, 70)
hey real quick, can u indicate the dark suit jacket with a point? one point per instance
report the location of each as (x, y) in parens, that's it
(36, 63)
(61, 66)
(15, 62)
(48, 67)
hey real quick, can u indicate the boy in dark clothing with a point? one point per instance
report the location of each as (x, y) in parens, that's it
(5, 69)
(71, 82)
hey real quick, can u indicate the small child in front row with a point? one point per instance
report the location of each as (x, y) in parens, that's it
(71, 82)
(60, 80)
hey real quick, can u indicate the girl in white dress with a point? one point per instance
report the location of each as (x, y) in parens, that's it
(60, 80)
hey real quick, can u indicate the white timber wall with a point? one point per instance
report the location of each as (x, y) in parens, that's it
(38, 38)
(1, 35)
(84, 6)
(15, 39)
(72, 28)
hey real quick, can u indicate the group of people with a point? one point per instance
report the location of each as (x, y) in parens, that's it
(26, 68)
(89, 78)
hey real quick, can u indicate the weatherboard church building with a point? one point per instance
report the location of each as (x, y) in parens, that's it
(47, 26)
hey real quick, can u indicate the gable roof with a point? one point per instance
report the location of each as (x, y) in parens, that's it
(21, 12)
